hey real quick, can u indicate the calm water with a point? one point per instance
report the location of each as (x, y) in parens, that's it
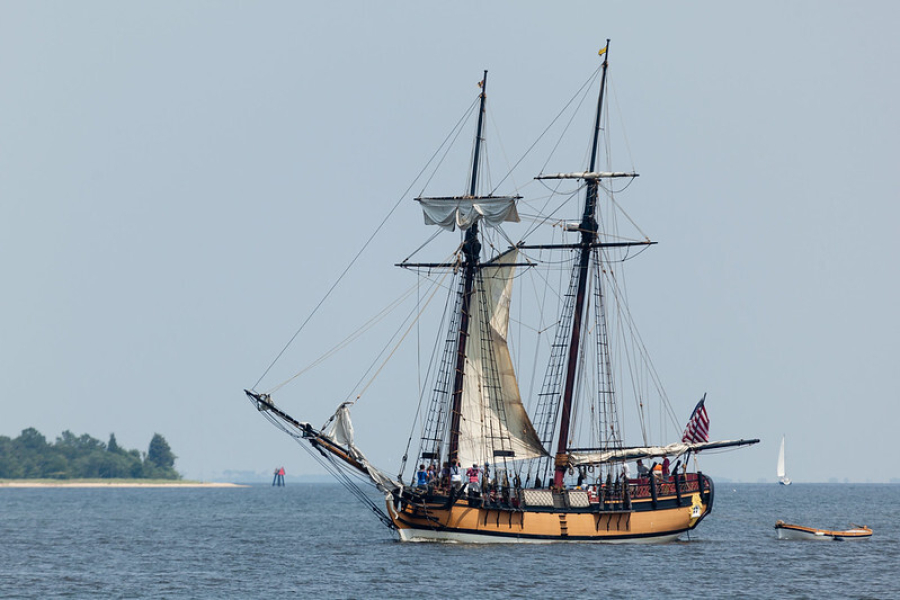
(314, 539)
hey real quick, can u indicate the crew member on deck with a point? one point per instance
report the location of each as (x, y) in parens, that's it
(455, 476)
(421, 478)
(642, 469)
(472, 476)
(445, 476)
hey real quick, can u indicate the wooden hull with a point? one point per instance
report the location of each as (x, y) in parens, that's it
(430, 518)
(786, 531)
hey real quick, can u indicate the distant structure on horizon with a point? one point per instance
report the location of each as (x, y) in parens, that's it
(279, 477)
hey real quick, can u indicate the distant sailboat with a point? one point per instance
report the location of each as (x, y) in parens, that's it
(782, 478)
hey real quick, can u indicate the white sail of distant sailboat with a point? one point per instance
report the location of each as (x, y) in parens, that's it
(782, 478)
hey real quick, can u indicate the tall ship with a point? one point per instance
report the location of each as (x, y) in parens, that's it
(493, 463)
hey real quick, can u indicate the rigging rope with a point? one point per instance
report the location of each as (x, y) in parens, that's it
(546, 129)
(358, 254)
(437, 286)
(350, 338)
(456, 128)
(496, 131)
(436, 233)
(420, 386)
(337, 469)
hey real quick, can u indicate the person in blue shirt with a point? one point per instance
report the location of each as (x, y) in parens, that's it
(422, 477)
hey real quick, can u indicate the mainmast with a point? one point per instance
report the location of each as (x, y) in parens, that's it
(588, 230)
(471, 253)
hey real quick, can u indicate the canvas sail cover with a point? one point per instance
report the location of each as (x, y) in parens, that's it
(464, 211)
(577, 459)
(493, 421)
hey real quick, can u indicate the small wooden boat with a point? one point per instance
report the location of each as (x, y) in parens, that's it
(786, 531)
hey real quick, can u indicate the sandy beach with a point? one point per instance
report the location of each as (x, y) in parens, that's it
(113, 484)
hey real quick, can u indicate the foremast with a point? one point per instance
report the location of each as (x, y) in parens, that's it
(471, 256)
(476, 412)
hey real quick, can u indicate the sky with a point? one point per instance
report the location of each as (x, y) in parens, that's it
(181, 183)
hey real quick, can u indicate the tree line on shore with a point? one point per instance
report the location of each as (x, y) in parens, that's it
(31, 456)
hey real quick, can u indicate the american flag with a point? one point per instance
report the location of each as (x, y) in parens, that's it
(697, 429)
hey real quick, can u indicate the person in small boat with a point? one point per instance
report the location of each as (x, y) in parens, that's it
(642, 469)
(421, 478)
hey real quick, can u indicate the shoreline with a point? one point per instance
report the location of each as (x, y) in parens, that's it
(113, 484)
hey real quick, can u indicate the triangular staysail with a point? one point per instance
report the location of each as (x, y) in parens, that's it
(340, 429)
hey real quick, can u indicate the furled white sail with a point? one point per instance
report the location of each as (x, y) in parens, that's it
(493, 421)
(464, 211)
(340, 429)
(591, 175)
(577, 459)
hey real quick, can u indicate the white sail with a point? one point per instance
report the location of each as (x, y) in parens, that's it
(493, 421)
(340, 429)
(779, 468)
(465, 211)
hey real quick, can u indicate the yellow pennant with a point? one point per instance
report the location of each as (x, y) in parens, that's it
(602, 51)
